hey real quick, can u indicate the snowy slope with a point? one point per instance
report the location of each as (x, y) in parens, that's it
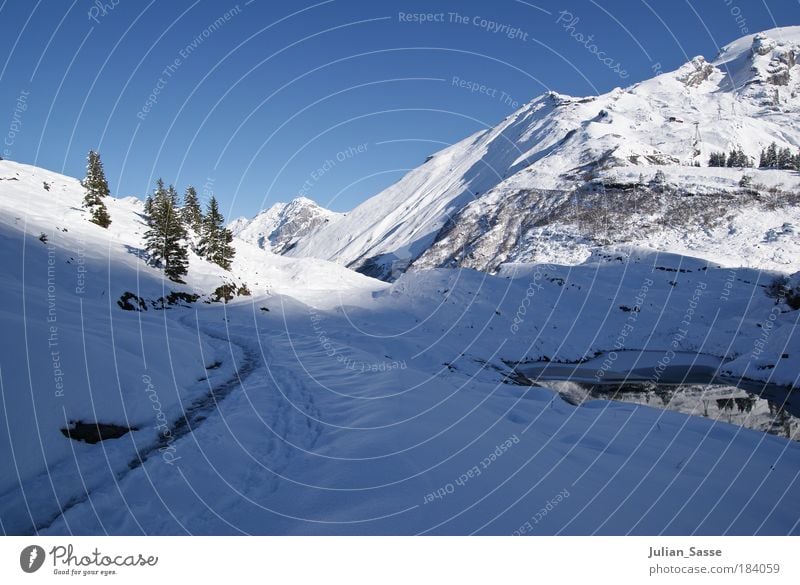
(372, 417)
(278, 228)
(329, 402)
(69, 353)
(497, 194)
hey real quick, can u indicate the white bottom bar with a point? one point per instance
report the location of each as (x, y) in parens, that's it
(402, 560)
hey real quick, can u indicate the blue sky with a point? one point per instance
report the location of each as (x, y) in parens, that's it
(334, 100)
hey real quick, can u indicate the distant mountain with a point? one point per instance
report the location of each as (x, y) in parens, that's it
(278, 228)
(563, 175)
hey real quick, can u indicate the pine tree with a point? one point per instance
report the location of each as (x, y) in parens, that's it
(737, 158)
(191, 214)
(165, 236)
(95, 181)
(785, 159)
(100, 216)
(769, 157)
(215, 243)
(716, 159)
(96, 188)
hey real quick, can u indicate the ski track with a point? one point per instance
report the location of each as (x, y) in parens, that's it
(284, 430)
(194, 415)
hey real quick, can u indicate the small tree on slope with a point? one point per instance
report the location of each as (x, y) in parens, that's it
(164, 239)
(215, 243)
(191, 214)
(96, 188)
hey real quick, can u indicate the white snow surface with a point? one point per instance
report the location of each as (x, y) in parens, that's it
(337, 404)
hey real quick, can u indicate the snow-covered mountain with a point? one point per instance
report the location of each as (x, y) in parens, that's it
(563, 174)
(280, 227)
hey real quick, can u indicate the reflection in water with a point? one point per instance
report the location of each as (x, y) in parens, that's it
(771, 409)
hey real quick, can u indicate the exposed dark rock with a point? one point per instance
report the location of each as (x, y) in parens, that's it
(91, 432)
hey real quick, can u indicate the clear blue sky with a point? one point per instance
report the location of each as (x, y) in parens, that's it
(265, 97)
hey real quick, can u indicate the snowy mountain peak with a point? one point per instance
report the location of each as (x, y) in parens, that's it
(278, 227)
(761, 43)
(766, 61)
(499, 194)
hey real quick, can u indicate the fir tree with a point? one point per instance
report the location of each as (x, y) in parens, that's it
(769, 157)
(100, 216)
(215, 243)
(785, 159)
(96, 188)
(164, 239)
(716, 159)
(772, 156)
(737, 158)
(191, 214)
(95, 181)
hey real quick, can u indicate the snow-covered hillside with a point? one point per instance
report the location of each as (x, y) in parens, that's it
(564, 174)
(329, 402)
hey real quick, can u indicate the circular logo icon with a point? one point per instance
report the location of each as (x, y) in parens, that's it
(31, 558)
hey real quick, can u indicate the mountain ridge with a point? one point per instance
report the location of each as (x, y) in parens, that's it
(562, 147)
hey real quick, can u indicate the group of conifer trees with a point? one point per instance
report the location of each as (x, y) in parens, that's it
(771, 157)
(736, 158)
(172, 228)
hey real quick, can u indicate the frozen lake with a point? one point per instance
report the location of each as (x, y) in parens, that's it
(685, 382)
